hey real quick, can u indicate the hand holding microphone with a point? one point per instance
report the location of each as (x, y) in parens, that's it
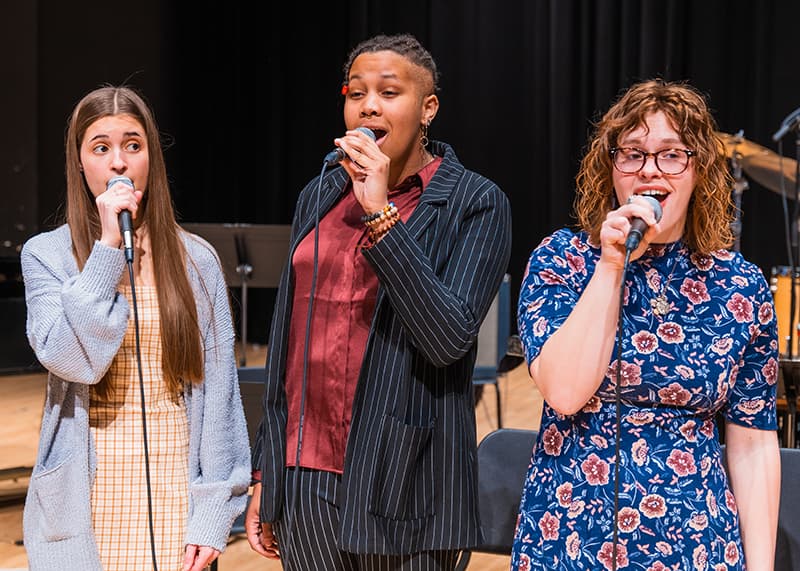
(368, 168)
(124, 217)
(337, 155)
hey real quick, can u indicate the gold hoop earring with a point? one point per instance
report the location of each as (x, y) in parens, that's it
(423, 139)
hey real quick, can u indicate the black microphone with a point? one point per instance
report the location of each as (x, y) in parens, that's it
(639, 226)
(789, 122)
(337, 155)
(125, 219)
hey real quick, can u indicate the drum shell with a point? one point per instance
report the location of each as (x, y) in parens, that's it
(781, 286)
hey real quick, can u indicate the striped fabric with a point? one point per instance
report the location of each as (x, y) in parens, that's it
(119, 495)
(311, 544)
(409, 482)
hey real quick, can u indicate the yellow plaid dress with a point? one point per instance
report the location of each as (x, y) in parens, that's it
(119, 494)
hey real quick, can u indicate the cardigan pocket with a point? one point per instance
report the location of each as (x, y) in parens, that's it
(61, 497)
(403, 479)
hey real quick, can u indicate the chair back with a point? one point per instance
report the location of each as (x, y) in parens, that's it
(787, 549)
(494, 332)
(251, 387)
(503, 459)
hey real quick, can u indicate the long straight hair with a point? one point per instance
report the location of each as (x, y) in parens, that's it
(182, 352)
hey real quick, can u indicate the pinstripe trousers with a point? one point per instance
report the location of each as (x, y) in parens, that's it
(307, 534)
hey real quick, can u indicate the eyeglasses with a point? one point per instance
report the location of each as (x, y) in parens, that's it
(630, 160)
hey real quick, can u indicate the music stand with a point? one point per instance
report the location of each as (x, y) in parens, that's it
(252, 255)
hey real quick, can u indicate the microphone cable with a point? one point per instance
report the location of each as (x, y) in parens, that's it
(631, 243)
(303, 388)
(617, 409)
(126, 229)
(144, 416)
(330, 159)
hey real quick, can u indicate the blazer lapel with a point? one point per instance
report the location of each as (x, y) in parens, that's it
(438, 191)
(332, 188)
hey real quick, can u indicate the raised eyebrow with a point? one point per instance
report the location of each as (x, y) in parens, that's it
(126, 134)
(384, 76)
(639, 143)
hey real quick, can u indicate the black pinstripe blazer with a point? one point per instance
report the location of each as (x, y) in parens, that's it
(409, 481)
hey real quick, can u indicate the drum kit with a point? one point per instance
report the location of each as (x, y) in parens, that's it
(778, 174)
(771, 170)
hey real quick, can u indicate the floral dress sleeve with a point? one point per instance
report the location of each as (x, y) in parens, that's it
(553, 282)
(753, 383)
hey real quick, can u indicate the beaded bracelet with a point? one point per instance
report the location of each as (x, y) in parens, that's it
(369, 219)
(378, 231)
(385, 217)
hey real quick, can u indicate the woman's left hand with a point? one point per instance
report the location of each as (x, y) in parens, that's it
(198, 557)
(368, 168)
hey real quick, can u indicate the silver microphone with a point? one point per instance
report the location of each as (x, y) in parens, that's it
(639, 226)
(125, 218)
(337, 155)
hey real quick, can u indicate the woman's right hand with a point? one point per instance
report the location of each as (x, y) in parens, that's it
(118, 197)
(615, 229)
(260, 536)
(368, 168)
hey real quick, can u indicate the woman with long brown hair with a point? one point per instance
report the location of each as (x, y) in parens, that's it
(143, 458)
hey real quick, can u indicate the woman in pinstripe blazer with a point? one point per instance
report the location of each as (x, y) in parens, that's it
(365, 458)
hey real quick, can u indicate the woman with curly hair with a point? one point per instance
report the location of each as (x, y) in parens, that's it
(672, 331)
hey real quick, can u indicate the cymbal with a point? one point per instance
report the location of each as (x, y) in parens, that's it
(768, 169)
(737, 144)
(764, 166)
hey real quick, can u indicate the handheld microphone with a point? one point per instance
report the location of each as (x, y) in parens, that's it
(337, 155)
(125, 219)
(639, 226)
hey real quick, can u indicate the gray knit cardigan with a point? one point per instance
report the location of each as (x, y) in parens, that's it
(76, 322)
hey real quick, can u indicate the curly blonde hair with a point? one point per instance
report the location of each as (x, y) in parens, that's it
(711, 208)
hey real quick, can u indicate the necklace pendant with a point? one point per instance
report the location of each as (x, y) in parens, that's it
(660, 305)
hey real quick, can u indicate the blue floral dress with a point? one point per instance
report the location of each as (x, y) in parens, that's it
(713, 350)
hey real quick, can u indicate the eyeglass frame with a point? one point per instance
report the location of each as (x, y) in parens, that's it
(613, 151)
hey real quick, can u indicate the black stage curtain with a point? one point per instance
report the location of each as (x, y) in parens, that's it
(248, 93)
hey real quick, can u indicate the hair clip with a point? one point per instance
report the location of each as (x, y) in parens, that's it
(344, 89)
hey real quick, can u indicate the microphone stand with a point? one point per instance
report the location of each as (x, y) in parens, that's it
(790, 379)
(790, 368)
(245, 270)
(739, 186)
(795, 243)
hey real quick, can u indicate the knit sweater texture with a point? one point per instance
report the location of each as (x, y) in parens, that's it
(75, 324)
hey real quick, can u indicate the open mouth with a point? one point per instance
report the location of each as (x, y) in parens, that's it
(657, 194)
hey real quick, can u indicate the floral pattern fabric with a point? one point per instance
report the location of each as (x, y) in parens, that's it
(713, 352)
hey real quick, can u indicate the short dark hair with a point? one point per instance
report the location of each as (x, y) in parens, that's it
(404, 44)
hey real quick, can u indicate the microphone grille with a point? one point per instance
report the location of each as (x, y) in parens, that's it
(657, 211)
(367, 132)
(115, 179)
